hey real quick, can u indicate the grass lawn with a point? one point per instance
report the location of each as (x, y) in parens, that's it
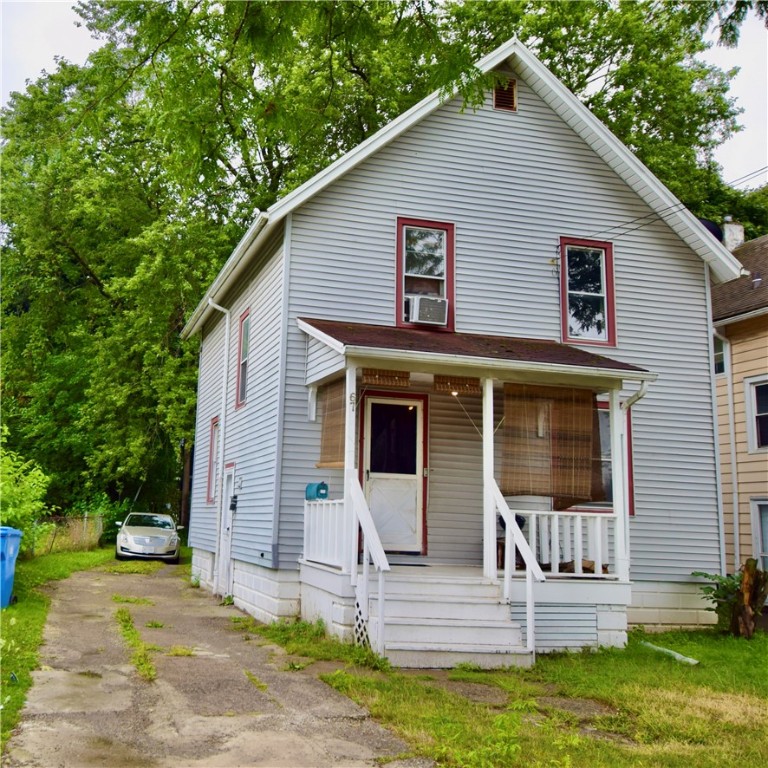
(632, 707)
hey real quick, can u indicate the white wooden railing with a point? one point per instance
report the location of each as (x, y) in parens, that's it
(574, 544)
(515, 542)
(331, 530)
(326, 533)
(373, 552)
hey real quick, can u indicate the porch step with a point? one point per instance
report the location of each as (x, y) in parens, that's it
(445, 615)
(426, 656)
(494, 635)
(408, 606)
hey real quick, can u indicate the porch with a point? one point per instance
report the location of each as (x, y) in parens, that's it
(428, 614)
(538, 570)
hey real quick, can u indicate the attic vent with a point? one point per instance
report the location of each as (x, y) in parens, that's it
(505, 96)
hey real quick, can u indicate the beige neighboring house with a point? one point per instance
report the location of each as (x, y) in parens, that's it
(740, 316)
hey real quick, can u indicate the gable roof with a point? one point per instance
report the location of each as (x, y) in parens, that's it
(733, 300)
(516, 56)
(502, 353)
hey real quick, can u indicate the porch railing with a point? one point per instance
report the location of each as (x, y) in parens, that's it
(372, 552)
(515, 542)
(331, 537)
(576, 544)
(326, 533)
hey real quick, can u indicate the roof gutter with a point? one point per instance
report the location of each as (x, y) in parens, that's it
(493, 364)
(738, 318)
(235, 264)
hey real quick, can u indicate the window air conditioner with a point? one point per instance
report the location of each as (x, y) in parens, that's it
(431, 310)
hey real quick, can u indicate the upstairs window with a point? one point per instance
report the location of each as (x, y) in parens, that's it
(425, 264)
(242, 358)
(213, 460)
(586, 292)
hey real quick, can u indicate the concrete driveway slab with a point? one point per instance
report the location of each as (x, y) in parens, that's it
(229, 704)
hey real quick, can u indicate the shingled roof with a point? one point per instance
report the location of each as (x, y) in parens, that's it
(745, 294)
(363, 336)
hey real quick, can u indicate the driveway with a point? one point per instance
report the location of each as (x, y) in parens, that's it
(232, 703)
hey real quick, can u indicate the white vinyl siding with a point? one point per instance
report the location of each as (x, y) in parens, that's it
(203, 524)
(510, 208)
(251, 439)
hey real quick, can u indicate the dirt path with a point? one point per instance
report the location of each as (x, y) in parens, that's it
(230, 704)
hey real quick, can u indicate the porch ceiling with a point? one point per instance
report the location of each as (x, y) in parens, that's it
(497, 356)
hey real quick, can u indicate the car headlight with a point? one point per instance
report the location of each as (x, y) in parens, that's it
(173, 541)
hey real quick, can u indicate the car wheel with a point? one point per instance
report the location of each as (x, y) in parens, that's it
(174, 560)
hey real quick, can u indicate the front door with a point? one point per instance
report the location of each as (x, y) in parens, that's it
(393, 467)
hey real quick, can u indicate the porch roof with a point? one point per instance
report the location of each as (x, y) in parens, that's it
(361, 340)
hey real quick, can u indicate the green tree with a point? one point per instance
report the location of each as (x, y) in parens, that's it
(102, 260)
(126, 182)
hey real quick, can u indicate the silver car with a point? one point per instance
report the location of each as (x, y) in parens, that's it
(145, 535)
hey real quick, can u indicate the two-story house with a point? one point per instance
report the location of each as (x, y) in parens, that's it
(455, 392)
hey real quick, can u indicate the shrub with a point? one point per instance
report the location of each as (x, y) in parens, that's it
(738, 599)
(22, 491)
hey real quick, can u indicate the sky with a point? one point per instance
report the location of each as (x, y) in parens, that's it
(34, 31)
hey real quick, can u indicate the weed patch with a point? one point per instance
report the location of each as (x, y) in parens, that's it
(302, 638)
(260, 684)
(140, 658)
(180, 650)
(131, 600)
(135, 566)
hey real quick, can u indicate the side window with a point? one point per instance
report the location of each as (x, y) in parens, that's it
(602, 471)
(425, 266)
(756, 398)
(586, 292)
(242, 358)
(719, 355)
(213, 460)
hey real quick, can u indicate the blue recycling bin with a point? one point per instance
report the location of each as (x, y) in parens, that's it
(10, 539)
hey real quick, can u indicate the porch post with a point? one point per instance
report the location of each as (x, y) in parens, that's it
(620, 507)
(489, 516)
(350, 410)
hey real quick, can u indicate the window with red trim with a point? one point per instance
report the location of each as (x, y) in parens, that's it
(213, 460)
(425, 274)
(242, 358)
(586, 292)
(605, 459)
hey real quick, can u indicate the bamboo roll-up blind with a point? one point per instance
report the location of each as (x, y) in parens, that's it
(548, 443)
(332, 437)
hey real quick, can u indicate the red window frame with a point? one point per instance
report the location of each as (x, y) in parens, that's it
(212, 450)
(450, 290)
(241, 392)
(609, 292)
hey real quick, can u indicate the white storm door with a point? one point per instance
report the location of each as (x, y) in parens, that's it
(224, 567)
(394, 471)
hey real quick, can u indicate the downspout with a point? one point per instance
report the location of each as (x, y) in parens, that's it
(732, 447)
(222, 417)
(624, 407)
